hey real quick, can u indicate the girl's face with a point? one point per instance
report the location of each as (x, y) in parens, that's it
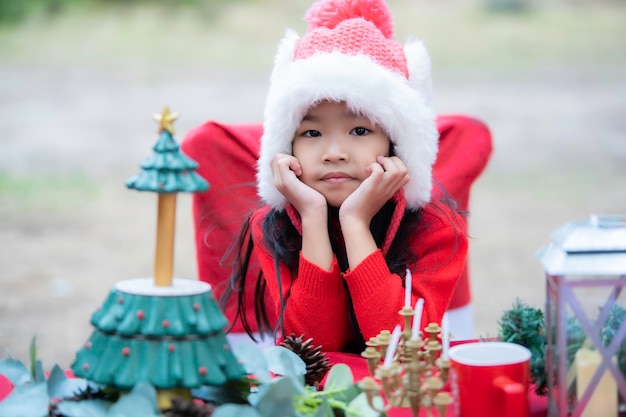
(334, 147)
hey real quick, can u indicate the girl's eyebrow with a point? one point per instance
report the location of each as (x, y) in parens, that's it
(346, 115)
(310, 118)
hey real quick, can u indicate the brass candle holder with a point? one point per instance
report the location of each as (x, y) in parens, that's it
(415, 377)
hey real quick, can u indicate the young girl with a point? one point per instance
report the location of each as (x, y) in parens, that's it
(345, 172)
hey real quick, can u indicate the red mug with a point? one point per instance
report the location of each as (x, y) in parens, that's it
(490, 379)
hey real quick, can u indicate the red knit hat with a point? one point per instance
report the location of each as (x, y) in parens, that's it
(349, 54)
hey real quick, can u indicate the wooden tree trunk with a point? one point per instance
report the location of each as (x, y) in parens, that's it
(164, 256)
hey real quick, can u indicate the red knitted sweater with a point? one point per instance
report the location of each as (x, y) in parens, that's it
(317, 305)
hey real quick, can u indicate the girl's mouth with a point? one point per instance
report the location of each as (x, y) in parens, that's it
(336, 177)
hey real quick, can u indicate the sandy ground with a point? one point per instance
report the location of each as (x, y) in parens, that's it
(71, 136)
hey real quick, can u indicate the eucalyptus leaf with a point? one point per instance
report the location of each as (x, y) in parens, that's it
(85, 408)
(15, 371)
(275, 398)
(235, 410)
(324, 410)
(283, 361)
(344, 395)
(339, 377)
(253, 360)
(141, 401)
(26, 401)
(359, 407)
(228, 393)
(60, 386)
(340, 384)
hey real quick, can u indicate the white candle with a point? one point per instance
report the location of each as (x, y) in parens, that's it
(445, 336)
(603, 400)
(417, 319)
(393, 345)
(408, 284)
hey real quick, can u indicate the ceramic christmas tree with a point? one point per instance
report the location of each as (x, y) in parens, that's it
(167, 172)
(168, 332)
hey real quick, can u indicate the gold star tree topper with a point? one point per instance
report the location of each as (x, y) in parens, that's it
(166, 120)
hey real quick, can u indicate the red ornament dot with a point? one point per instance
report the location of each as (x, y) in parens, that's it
(120, 300)
(141, 315)
(88, 345)
(126, 351)
(86, 366)
(226, 346)
(196, 306)
(202, 370)
(166, 323)
(171, 348)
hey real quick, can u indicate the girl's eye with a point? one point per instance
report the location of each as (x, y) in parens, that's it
(312, 133)
(360, 131)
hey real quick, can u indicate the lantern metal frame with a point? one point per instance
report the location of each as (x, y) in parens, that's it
(582, 254)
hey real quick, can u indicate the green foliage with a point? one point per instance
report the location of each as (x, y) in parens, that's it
(575, 338)
(613, 322)
(524, 325)
(32, 397)
(14, 11)
(141, 401)
(279, 391)
(511, 6)
(286, 395)
(35, 394)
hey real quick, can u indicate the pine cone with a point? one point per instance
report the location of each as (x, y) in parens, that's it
(317, 363)
(89, 393)
(185, 408)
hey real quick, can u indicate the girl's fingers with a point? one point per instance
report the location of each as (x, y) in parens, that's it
(282, 163)
(395, 173)
(286, 169)
(392, 164)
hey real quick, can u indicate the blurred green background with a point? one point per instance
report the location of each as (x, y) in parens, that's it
(503, 37)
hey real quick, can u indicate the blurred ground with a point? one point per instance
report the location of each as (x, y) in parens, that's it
(76, 98)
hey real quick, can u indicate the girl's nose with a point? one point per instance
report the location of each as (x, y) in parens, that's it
(335, 150)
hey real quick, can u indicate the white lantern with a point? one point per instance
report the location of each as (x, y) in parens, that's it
(585, 266)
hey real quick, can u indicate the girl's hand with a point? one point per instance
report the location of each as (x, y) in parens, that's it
(286, 170)
(387, 175)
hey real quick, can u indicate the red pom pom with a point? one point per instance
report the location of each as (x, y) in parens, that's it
(329, 13)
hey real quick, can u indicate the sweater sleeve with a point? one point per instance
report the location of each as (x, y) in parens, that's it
(378, 295)
(316, 301)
